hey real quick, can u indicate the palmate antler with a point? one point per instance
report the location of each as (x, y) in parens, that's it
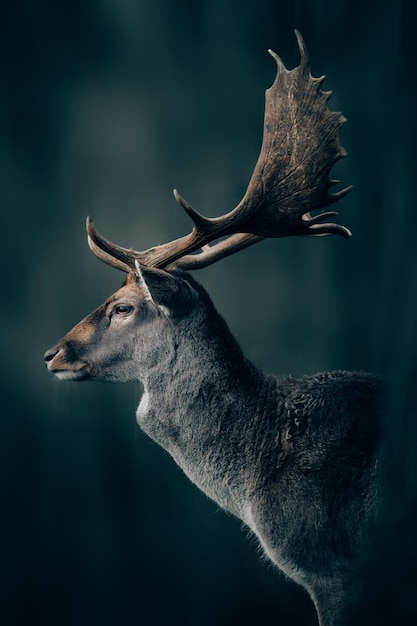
(291, 179)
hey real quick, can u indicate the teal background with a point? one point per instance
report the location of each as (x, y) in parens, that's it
(105, 107)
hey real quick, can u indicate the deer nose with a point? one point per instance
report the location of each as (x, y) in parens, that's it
(49, 355)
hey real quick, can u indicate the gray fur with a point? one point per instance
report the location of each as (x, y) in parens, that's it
(294, 459)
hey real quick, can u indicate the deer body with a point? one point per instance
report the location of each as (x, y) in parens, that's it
(294, 459)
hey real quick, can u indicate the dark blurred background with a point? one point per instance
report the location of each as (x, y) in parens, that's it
(105, 107)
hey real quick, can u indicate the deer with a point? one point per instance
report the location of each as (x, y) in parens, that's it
(295, 459)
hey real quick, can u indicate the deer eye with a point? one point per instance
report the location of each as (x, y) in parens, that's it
(123, 309)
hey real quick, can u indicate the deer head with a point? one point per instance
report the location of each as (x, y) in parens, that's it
(286, 196)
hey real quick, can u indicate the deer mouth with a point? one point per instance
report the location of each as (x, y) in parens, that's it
(77, 375)
(56, 362)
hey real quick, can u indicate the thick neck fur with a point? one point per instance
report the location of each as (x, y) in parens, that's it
(198, 401)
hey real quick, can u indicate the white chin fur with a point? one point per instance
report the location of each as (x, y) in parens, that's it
(143, 407)
(68, 375)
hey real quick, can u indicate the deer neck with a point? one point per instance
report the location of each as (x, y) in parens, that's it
(196, 403)
(197, 374)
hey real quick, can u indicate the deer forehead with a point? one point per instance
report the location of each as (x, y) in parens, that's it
(131, 291)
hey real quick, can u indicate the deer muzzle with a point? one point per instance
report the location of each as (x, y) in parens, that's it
(56, 360)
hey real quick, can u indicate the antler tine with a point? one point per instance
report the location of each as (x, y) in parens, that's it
(220, 250)
(201, 223)
(304, 61)
(112, 254)
(290, 180)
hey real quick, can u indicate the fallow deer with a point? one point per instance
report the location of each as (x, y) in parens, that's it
(294, 459)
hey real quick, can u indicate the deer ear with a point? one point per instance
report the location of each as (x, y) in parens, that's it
(169, 293)
(140, 279)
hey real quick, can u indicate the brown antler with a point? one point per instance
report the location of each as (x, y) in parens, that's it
(291, 179)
